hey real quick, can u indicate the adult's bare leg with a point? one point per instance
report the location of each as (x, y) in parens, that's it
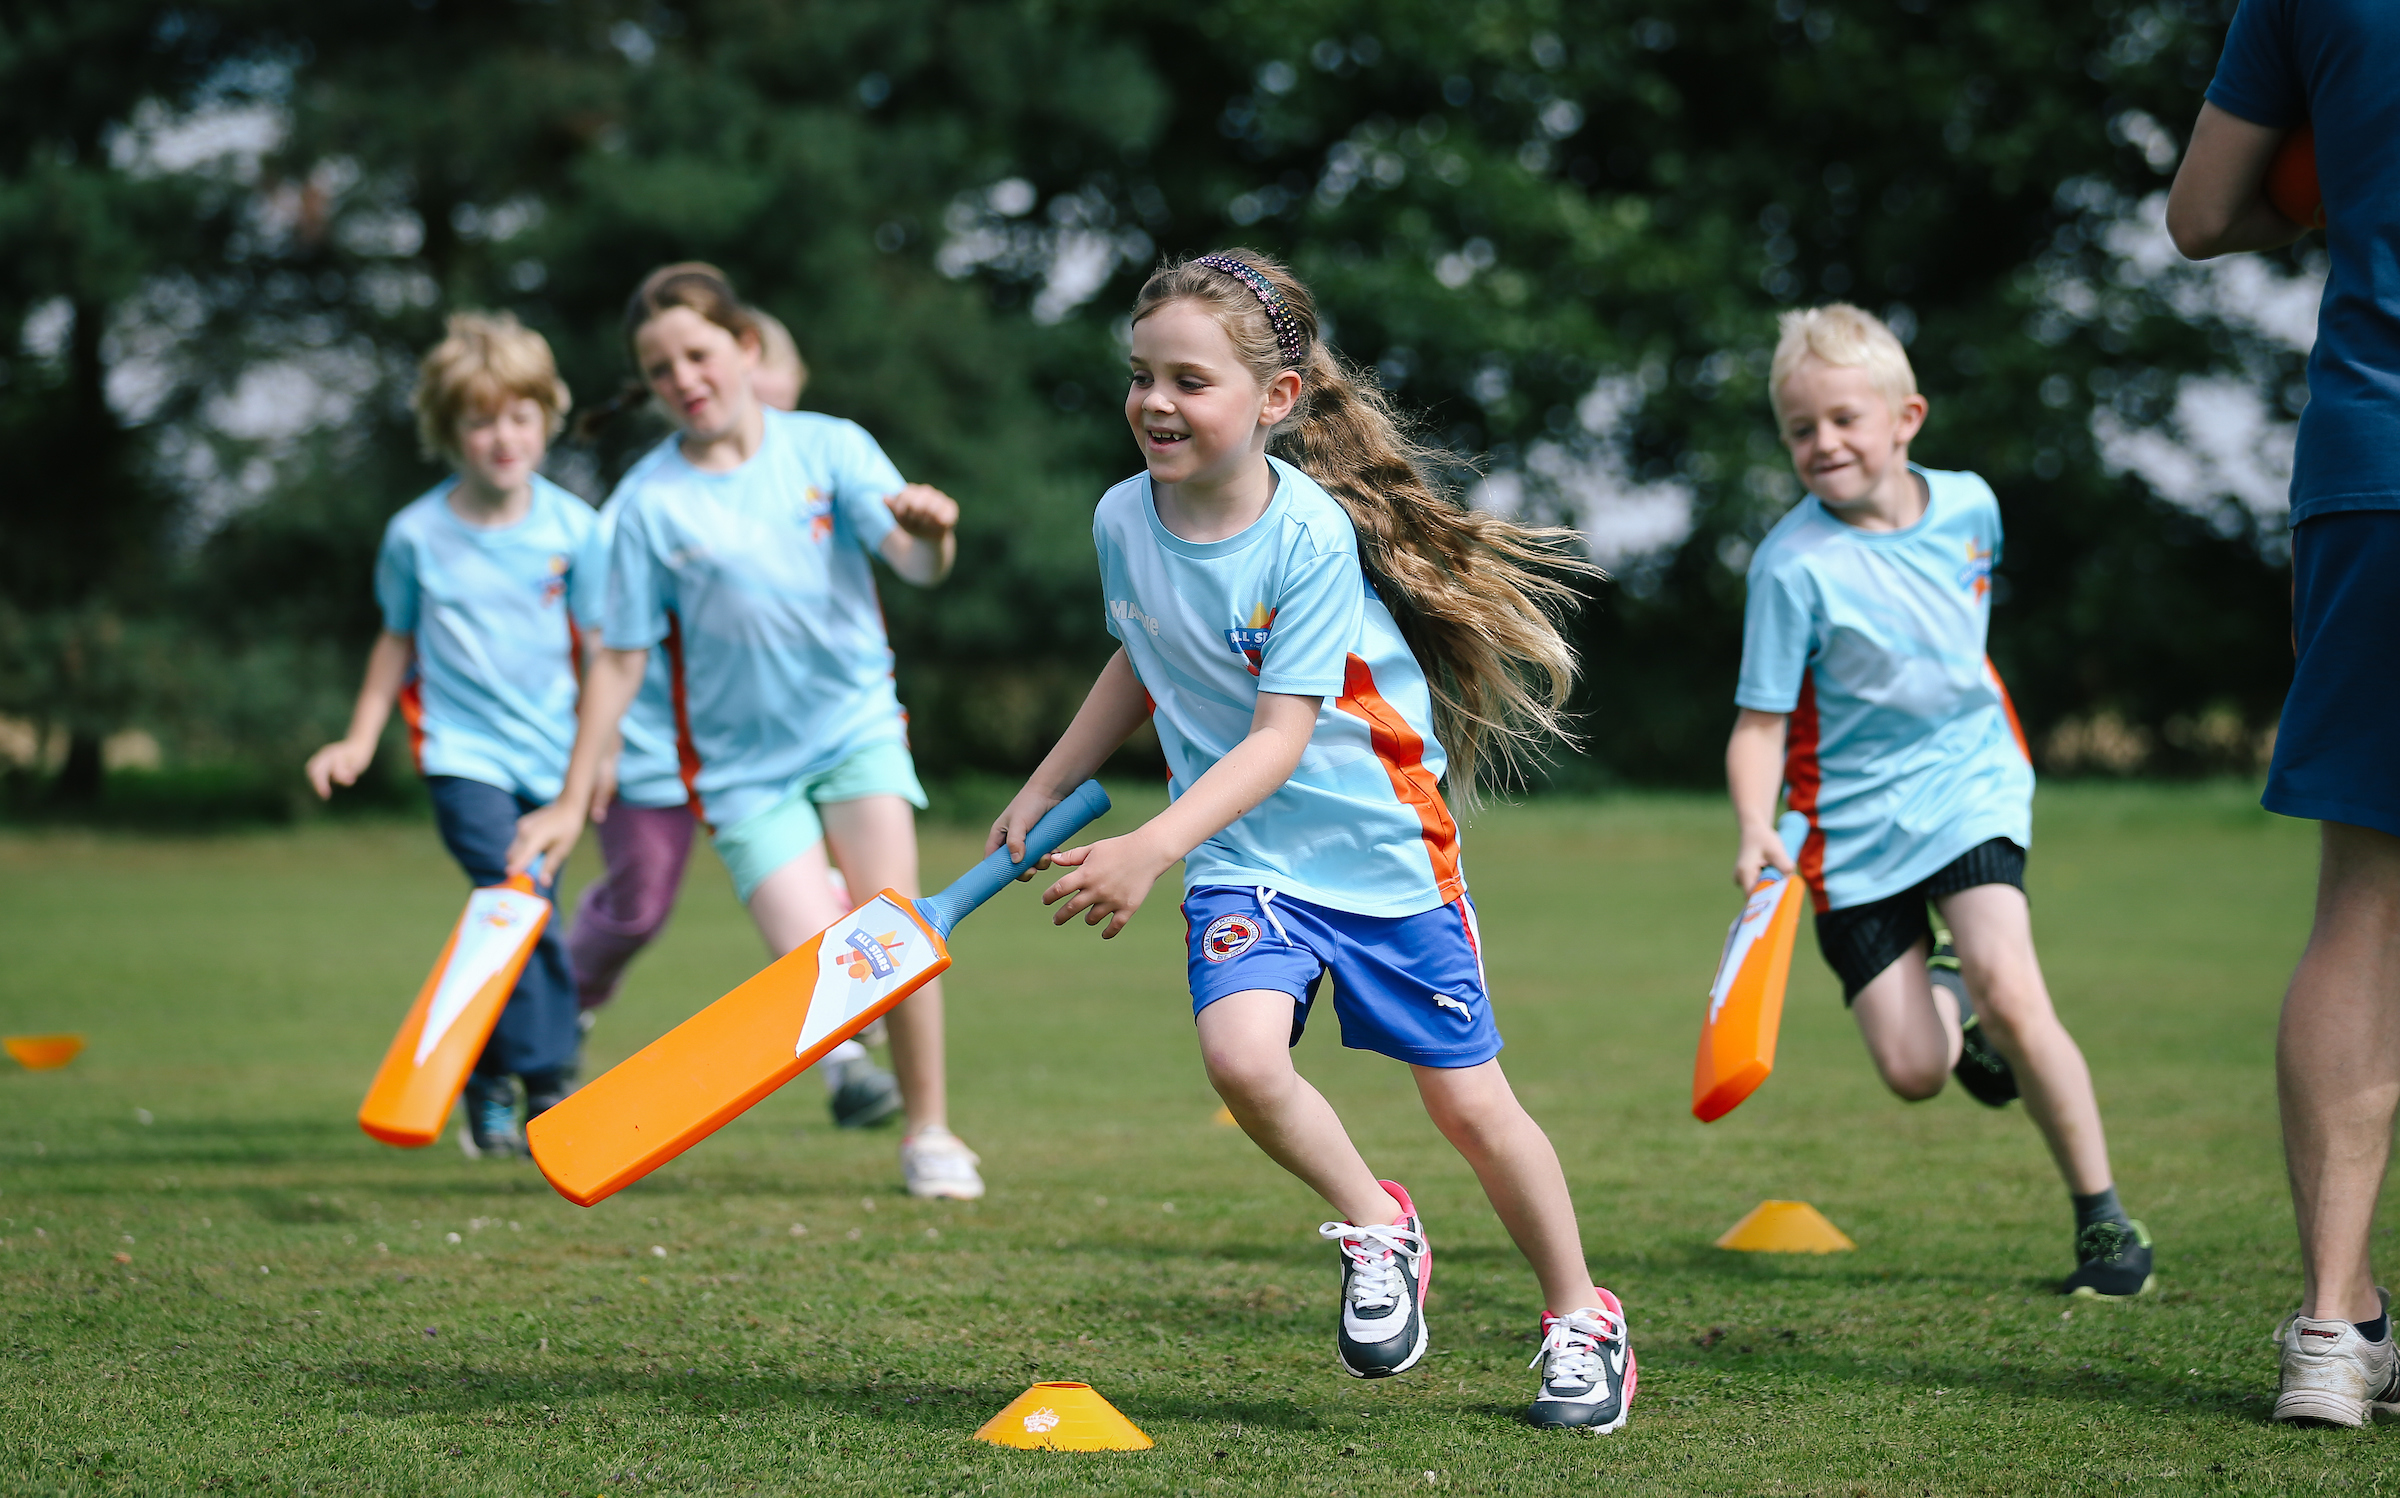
(2337, 1068)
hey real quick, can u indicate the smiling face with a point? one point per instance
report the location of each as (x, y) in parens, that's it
(1198, 413)
(500, 446)
(699, 371)
(1848, 443)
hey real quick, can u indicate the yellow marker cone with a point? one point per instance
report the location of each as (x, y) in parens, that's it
(1224, 1115)
(43, 1052)
(1786, 1228)
(1062, 1417)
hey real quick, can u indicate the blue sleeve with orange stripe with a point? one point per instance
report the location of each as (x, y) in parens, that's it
(1778, 634)
(1316, 617)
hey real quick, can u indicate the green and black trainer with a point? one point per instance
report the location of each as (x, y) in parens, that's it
(2115, 1262)
(1980, 1069)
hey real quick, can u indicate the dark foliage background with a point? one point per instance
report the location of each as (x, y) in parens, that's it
(1561, 232)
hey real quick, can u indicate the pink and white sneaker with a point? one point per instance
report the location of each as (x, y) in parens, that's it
(1385, 1274)
(1587, 1369)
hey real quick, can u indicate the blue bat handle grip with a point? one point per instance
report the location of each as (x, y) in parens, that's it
(1793, 830)
(944, 911)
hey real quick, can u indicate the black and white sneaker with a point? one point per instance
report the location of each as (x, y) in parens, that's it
(1587, 1369)
(1385, 1274)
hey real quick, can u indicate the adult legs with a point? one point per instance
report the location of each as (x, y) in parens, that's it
(536, 1036)
(1245, 1042)
(2337, 1068)
(1992, 927)
(874, 838)
(645, 849)
(1479, 1114)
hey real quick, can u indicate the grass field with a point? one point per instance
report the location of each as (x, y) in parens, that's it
(212, 1281)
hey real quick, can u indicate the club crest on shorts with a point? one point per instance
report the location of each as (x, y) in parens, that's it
(1228, 937)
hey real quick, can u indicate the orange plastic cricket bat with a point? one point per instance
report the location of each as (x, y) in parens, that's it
(446, 1028)
(709, 1070)
(1745, 1004)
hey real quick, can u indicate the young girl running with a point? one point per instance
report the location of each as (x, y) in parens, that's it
(1317, 642)
(742, 548)
(481, 581)
(644, 814)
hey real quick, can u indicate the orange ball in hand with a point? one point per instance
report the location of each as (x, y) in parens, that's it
(2292, 180)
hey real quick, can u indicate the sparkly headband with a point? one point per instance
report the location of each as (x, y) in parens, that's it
(1288, 336)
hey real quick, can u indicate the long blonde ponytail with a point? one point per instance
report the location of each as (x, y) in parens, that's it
(1478, 596)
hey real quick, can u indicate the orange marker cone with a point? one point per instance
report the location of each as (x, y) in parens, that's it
(1224, 1118)
(1062, 1417)
(43, 1052)
(1785, 1228)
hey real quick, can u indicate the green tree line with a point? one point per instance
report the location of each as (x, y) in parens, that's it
(1560, 232)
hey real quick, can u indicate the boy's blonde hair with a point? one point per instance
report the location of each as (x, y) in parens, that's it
(776, 350)
(483, 360)
(1846, 337)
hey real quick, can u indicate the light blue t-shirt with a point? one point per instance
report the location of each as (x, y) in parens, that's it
(648, 772)
(757, 585)
(1285, 607)
(494, 615)
(1902, 749)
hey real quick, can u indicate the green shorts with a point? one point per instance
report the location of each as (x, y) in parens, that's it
(765, 841)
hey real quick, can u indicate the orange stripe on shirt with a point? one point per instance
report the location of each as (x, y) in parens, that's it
(1402, 752)
(687, 752)
(1803, 778)
(412, 713)
(2009, 706)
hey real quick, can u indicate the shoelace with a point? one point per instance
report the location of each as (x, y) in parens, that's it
(1575, 1340)
(1374, 1253)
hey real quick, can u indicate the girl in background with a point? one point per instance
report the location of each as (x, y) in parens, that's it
(742, 549)
(482, 581)
(644, 817)
(1318, 643)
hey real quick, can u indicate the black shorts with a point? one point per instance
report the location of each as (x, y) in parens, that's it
(1859, 942)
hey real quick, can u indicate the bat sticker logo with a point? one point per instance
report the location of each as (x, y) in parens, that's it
(1228, 937)
(873, 956)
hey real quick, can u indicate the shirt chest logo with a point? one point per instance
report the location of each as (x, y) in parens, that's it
(1976, 576)
(554, 587)
(1250, 641)
(817, 508)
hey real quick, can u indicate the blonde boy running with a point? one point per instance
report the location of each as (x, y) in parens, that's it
(1866, 695)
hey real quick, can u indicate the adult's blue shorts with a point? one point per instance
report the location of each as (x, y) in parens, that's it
(2337, 751)
(1409, 987)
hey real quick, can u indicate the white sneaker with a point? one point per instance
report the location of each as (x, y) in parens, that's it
(936, 1162)
(2333, 1375)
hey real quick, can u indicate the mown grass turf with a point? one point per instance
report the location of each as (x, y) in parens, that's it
(211, 1281)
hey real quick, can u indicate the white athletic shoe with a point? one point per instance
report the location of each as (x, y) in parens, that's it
(2334, 1376)
(936, 1162)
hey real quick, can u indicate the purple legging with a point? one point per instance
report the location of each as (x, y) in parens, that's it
(622, 911)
